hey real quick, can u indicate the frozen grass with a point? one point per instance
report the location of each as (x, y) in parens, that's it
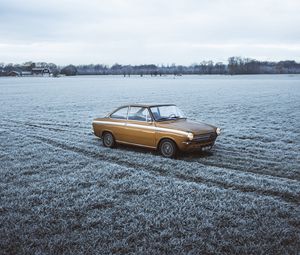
(62, 192)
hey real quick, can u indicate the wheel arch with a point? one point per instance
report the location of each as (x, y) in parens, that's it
(166, 138)
(106, 131)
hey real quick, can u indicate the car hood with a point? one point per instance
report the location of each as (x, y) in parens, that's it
(187, 126)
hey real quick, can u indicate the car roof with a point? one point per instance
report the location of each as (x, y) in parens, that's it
(146, 104)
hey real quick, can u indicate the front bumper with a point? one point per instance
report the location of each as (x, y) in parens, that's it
(199, 142)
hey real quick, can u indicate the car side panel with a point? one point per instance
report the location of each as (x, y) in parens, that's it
(115, 126)
(140, 133)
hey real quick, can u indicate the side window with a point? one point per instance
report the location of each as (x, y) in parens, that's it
(120, 114)
(155, 112)
(139, 114)
(146, 114)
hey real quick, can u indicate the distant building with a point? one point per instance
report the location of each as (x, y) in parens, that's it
(13, 73)
(40, 71)
(25, 73)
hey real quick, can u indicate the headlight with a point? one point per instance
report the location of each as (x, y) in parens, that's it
(218, 131)
(190, 136)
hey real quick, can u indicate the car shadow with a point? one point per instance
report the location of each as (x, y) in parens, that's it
(195, 154)
(181, 155)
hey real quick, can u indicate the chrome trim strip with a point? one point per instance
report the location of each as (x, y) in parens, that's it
(142, 121)
(109, 123)
(142, 126)
(136, 144)
(172, 131)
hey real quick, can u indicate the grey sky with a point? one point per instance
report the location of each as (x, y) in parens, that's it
(148, 31)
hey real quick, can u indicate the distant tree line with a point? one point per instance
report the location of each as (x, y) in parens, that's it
(235, 66)
(238, 65)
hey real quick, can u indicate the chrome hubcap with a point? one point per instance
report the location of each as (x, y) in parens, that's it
(167, 148)
(108, 140)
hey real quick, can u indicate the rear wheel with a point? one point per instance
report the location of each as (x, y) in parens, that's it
(168, 148)
(108, 140)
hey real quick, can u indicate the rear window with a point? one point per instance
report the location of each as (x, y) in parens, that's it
(120, 114)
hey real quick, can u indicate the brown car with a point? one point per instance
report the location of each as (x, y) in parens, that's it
(155, 126)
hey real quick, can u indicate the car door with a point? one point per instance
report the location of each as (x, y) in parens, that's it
(140, 127)
(117, 123)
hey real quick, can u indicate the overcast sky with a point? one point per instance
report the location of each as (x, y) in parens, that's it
(148, 31)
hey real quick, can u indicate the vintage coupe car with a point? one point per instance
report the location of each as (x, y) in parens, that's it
(156, 126)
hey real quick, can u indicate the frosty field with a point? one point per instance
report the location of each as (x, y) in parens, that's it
(61, 191)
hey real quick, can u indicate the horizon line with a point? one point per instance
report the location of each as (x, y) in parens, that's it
(160, 64)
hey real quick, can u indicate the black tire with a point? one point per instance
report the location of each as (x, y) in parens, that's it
(168, 148)
(108, 140)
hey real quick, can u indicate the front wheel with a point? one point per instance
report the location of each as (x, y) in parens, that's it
(108, 140)
(168, 148)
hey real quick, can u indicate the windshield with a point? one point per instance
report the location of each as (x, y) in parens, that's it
(166, 112)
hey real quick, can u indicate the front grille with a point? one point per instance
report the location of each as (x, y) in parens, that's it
(205, 137)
